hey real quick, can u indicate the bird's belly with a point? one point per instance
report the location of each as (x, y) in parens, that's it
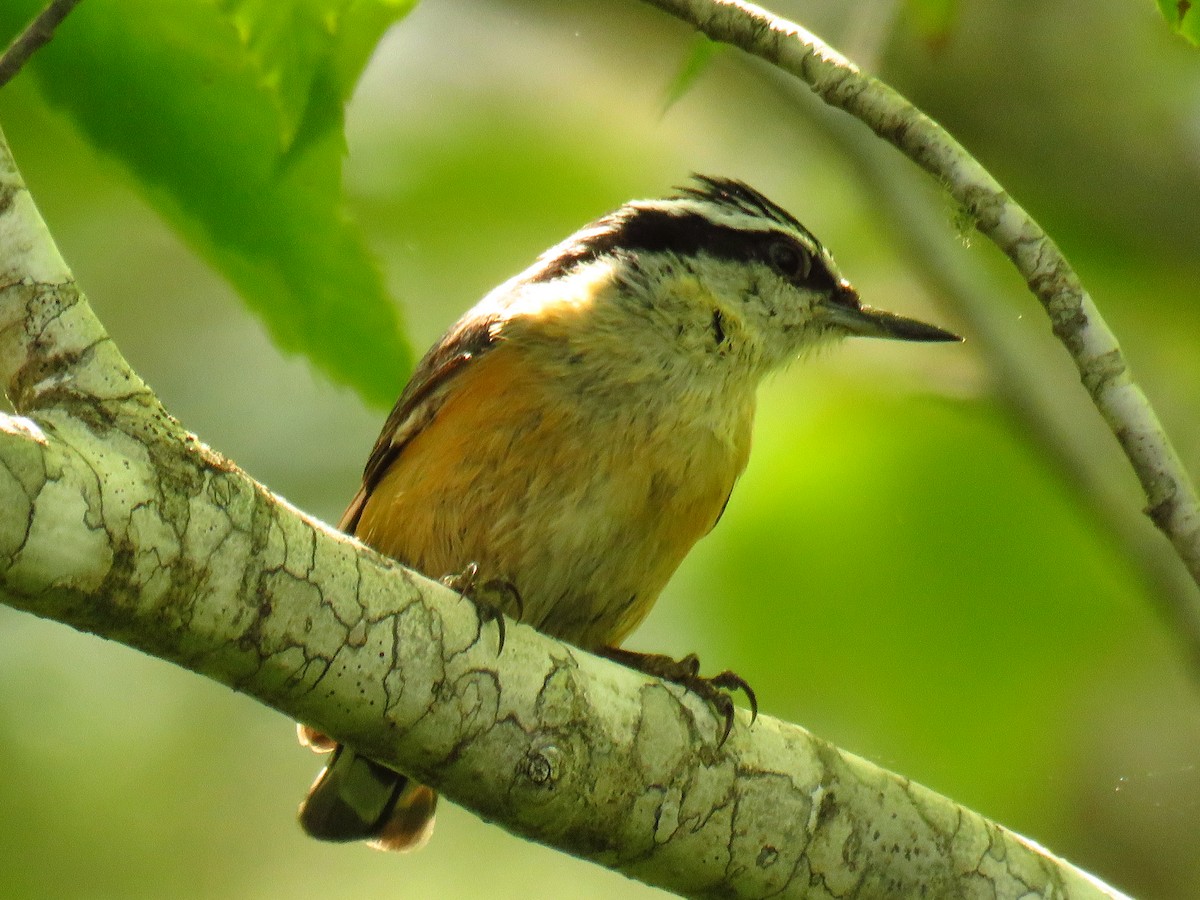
(586, 517)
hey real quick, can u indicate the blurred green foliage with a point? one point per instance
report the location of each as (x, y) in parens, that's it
(902, 569)
(228, 118)
(934, 19)
(1182, 17)
(703, 51)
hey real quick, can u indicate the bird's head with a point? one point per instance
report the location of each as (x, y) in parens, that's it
(715, 272)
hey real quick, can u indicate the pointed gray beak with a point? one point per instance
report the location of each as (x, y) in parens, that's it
(844, 311)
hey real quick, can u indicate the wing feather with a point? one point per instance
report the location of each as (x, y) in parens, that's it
(420, 401)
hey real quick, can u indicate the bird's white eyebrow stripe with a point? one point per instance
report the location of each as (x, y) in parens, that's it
(737, 196)
(718, 215)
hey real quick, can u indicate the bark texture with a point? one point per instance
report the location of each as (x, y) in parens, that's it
(115, 520)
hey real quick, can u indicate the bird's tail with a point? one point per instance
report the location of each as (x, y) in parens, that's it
(357, 799)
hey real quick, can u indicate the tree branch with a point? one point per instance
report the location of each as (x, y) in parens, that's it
(36, 34)
(1171, 496)
(118, 522)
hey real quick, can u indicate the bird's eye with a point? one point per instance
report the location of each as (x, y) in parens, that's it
(789, 260)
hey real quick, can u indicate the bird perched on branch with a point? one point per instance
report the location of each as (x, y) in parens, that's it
(564, 445)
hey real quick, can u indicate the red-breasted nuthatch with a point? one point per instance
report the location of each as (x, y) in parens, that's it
(573, 435)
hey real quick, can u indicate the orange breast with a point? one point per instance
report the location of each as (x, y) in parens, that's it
(585, 508)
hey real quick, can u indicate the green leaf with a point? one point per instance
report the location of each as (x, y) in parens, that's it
(1183, 18)
(228, 114)
(703, 51)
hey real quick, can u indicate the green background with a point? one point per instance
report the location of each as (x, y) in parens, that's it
(903, 569)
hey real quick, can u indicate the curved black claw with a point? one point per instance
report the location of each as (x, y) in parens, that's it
(732, 681)
(488, 596)
(686, 673)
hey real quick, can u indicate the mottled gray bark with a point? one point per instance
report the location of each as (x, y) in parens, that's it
(115, 520)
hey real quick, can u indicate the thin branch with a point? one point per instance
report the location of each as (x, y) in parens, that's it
(1171, 497)
(118, 522)
(1022, 377)
(35, 35)
(1026, 385)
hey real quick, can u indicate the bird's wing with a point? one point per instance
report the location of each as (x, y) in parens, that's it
(420, 401)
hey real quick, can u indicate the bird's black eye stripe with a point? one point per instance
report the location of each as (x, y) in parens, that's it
(689, 234)
(789, 259)
(635, 230)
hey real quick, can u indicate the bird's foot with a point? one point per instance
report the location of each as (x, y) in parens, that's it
(491, 597)
(686, 673)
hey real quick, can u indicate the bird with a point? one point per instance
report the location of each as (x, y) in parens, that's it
(559, 450)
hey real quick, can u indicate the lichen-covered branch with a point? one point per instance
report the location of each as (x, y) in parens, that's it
(1171, 497)
(138, 536)
(114, 520)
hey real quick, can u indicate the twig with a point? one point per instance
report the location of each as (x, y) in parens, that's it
(1171, 497)
(1020, 381)
(1021, 375)
(37, 33)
